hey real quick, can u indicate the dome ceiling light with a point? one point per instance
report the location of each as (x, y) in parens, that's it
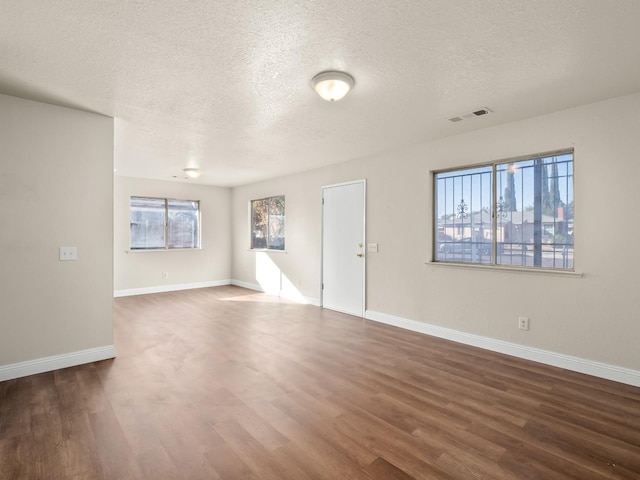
(191, 172)
(332, 86)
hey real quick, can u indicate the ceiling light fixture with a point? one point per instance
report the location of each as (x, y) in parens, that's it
(191, 172)
(332, 86)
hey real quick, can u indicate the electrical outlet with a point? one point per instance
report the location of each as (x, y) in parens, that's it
(165, 274)
(523, 323)
(68, 253)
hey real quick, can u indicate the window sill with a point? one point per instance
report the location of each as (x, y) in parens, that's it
(266, 250)
(506, 268)
(151, 250)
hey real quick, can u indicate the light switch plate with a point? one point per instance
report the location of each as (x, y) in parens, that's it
(372, 247)
(68, 253)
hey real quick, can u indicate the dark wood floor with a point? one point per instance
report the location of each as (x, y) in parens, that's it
(224, 383)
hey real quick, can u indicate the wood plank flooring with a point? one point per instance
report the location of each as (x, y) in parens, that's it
(225, 383)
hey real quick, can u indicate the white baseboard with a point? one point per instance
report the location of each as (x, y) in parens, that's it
(250, 286)
(281, 294)
(169, 288)
(47, 364)
(568, 362)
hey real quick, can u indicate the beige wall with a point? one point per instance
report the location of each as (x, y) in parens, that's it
(594, 317)
(55, 190)
(143, 270)
(56, 183)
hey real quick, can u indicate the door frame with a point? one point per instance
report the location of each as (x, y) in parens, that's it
(363, 181)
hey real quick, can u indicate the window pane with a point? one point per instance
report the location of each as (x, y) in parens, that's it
(259, 219)
(183, 231)
(276, 223)
(534, 212)
(463, 222)
(147, 223)
(267, 223)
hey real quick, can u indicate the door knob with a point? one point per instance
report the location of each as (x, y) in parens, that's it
(359, 254)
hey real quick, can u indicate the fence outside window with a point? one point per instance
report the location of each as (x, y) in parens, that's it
(513, 213)
(161, 223)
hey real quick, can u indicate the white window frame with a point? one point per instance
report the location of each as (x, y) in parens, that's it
(459, 259)
(252, 227)
(167, 225)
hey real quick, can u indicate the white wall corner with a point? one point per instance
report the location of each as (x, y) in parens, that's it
(56, 362)
(250, 286)
(568, 362)
(169, 288)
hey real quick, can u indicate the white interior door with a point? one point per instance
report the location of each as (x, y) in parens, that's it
(343, 252)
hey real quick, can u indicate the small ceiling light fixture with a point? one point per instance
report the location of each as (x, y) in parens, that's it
(332, 86)
(191, 172)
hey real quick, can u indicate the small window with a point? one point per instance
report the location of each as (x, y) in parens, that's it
(515, 213)
(267, 223)
(161, 223)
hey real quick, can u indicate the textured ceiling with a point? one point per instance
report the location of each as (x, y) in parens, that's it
(224, 85)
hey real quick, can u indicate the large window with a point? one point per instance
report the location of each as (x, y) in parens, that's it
(267, 223)
(516, 213)
(162, 223)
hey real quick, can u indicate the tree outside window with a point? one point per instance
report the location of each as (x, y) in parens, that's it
(512, 213)
(267, 223)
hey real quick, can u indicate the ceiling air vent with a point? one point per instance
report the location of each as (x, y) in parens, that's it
(476, 113)
(482, 111)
